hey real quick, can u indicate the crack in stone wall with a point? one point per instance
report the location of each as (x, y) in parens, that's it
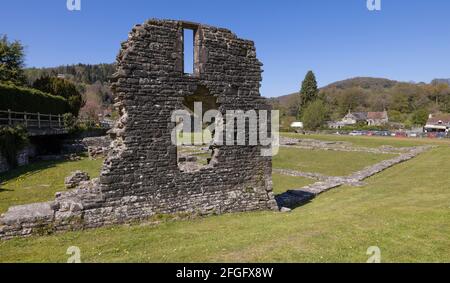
(140, 177)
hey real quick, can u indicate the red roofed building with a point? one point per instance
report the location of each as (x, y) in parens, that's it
(438, 123)
(377, 118)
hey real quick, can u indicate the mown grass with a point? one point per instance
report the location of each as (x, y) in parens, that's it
(283, 183)
(330, 163)
(405, 211)
(40, 181)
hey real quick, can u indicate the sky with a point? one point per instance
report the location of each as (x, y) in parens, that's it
(408, 40)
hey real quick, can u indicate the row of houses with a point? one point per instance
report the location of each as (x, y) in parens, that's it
(437, 123)
(354, 118)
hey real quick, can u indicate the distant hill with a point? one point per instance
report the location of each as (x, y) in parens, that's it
(363, 82)
(367, 83)
(440, 81)
(79, 73)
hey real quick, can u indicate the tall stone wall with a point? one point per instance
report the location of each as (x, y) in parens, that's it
(140, 176)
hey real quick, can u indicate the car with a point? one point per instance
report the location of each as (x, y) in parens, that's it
(401, 135)
(355, 133)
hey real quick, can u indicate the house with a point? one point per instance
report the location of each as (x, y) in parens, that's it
(368, 118)
(437, 123)
(297, 126)
(377, 118)
(354, 118)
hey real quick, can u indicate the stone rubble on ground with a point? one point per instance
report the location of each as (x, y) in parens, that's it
(75, 179)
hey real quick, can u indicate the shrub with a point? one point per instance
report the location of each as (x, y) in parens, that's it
(70, 122)
(12, 140)
(63, 88)
(22, 99)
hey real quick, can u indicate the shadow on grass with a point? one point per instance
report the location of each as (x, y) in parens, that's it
(294, 198)
(27, 170)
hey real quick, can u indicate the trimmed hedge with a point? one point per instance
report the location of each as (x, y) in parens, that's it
(22, 99)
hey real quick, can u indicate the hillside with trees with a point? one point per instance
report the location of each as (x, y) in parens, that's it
(92, 81)
(79, 73)
(82, 90)
(406, 103)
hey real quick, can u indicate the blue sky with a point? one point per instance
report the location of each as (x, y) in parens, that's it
(408, 40)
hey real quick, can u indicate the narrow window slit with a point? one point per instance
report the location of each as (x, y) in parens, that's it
(188, 50)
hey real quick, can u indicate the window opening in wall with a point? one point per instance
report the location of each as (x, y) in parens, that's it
(188, 50)
(195, 148)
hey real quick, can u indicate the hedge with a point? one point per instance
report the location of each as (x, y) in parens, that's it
(21, 99)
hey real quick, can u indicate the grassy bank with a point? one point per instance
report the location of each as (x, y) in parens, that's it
(403, 210)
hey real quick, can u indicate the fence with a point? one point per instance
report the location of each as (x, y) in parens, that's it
(31, 120)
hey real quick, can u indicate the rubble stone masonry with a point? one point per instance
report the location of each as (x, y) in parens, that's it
(140, 177)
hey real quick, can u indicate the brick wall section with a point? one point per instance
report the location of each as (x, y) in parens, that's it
(140, 177)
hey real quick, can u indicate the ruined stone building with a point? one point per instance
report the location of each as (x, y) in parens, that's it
(141, 176)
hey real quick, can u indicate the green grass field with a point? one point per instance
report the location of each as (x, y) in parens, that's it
(282, 183)
(330, 163)
(405, 211)
(40, 181)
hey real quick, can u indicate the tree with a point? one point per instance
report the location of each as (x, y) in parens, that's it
(64, 88)
(309, 91)
(351, 99)
(314, 115)
(11, 62)
(420, 117)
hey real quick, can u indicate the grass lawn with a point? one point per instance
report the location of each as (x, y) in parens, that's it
(330, 163)
(405, 211)
(283, 183)
(40, 181)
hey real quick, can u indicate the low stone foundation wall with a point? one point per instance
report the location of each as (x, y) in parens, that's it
(4, 166)
(294, 198)
(94, 145)
(339, 146)
(23, 158)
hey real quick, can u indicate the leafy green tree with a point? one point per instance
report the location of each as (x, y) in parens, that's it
(64, 88)
(314, 115)
(420, 117)
(309, 91)
(350, 100)
(11, 62)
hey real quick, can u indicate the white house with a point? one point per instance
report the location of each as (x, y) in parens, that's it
(437, 123)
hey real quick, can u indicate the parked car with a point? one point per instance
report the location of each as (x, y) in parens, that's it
(401, 135)
(355, 133)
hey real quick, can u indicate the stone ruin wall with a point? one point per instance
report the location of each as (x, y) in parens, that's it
(140, 177)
